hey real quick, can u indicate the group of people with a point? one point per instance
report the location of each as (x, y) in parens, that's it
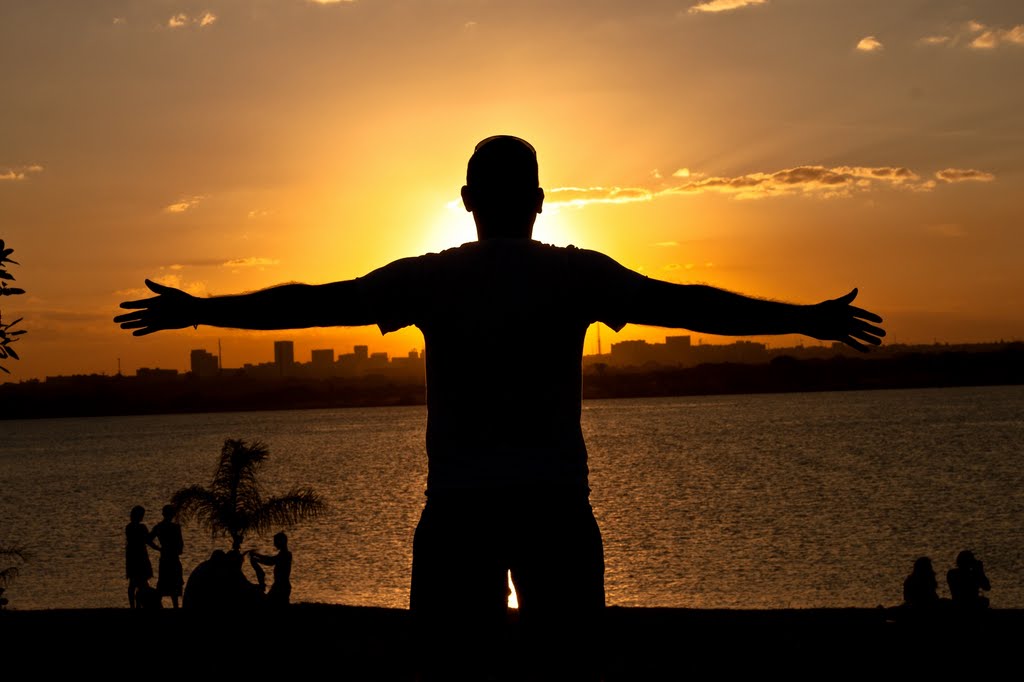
(966, 580)
(166, 539)
(217, 582)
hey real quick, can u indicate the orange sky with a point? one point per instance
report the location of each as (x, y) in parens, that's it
(791, 149)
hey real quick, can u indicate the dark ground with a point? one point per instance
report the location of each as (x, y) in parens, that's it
(354, 643)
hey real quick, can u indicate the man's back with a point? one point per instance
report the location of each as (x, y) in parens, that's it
(504, 322)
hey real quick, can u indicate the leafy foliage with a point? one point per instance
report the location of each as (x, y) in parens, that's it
(233, 504)
(8, 335)
(9, 553)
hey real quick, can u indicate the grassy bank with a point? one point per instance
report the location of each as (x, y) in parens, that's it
(355, 643)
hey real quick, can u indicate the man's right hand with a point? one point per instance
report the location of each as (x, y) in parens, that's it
(170, 309)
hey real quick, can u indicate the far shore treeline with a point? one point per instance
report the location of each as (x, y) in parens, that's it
(910, 367)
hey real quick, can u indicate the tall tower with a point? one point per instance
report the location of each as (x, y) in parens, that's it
(284, 357)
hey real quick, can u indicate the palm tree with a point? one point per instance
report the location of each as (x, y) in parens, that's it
(11, 553)
(233, 504)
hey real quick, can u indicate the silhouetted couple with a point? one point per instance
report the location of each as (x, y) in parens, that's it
(166, 539)
(966, 581)
(504, 319)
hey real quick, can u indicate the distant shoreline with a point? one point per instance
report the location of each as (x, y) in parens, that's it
(96, 395)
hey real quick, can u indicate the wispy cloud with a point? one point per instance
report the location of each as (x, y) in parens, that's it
(182, 20)
(992, 38)
(330, 2)
(184, 204)
(581, 196)
(665, 244)
(250, 262)
(724, 5)
(810, 181)
(19, 172)
(820, 181)
(869, 44)
(964, 175)
(978, 36)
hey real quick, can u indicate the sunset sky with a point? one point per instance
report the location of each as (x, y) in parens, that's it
(790, 149)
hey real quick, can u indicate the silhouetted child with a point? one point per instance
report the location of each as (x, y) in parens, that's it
(137, 568)
(281, 591)
(967, 581)
(168, 533)
(920, 589)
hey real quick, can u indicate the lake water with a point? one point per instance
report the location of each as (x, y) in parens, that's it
(766, 501)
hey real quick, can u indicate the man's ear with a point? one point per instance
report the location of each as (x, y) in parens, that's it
(467, 198)
(540, 199)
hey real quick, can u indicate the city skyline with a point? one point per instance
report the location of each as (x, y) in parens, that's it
(239, 146)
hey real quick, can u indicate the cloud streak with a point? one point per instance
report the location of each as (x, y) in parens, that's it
(714, 6)
(978, 36)
(250, 262)
(950, 175)
(184, 204)
(181, 20)
(17, 173)
(810, 181)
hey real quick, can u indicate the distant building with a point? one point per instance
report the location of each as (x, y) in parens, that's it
(322, 359)
(411, 365)
(154, 374)
(284, 357)
(204, 363)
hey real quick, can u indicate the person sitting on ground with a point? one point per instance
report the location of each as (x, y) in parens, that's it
(966, 582)
(920, 589)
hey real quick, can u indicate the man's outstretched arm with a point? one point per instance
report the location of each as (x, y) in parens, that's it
(715, 311)
(290, 306)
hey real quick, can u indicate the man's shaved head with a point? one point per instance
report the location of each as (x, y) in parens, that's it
(502, 187)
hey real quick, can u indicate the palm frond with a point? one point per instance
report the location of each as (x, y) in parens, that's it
(290, 509)
(11, 553)
(233, 504)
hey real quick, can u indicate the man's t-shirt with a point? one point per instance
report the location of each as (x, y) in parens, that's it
(503, 322)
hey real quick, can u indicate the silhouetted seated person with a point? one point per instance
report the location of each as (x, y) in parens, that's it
(218, 584)
(920, 589)
(507, 484)
(281, 591)
(966, 582)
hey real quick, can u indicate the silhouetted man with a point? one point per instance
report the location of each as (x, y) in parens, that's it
(281, 591)
(507, 480)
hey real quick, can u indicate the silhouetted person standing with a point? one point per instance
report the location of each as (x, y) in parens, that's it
(137, 567)
(507, 481)
(168, 534)
(281, 591)
(966, 582)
